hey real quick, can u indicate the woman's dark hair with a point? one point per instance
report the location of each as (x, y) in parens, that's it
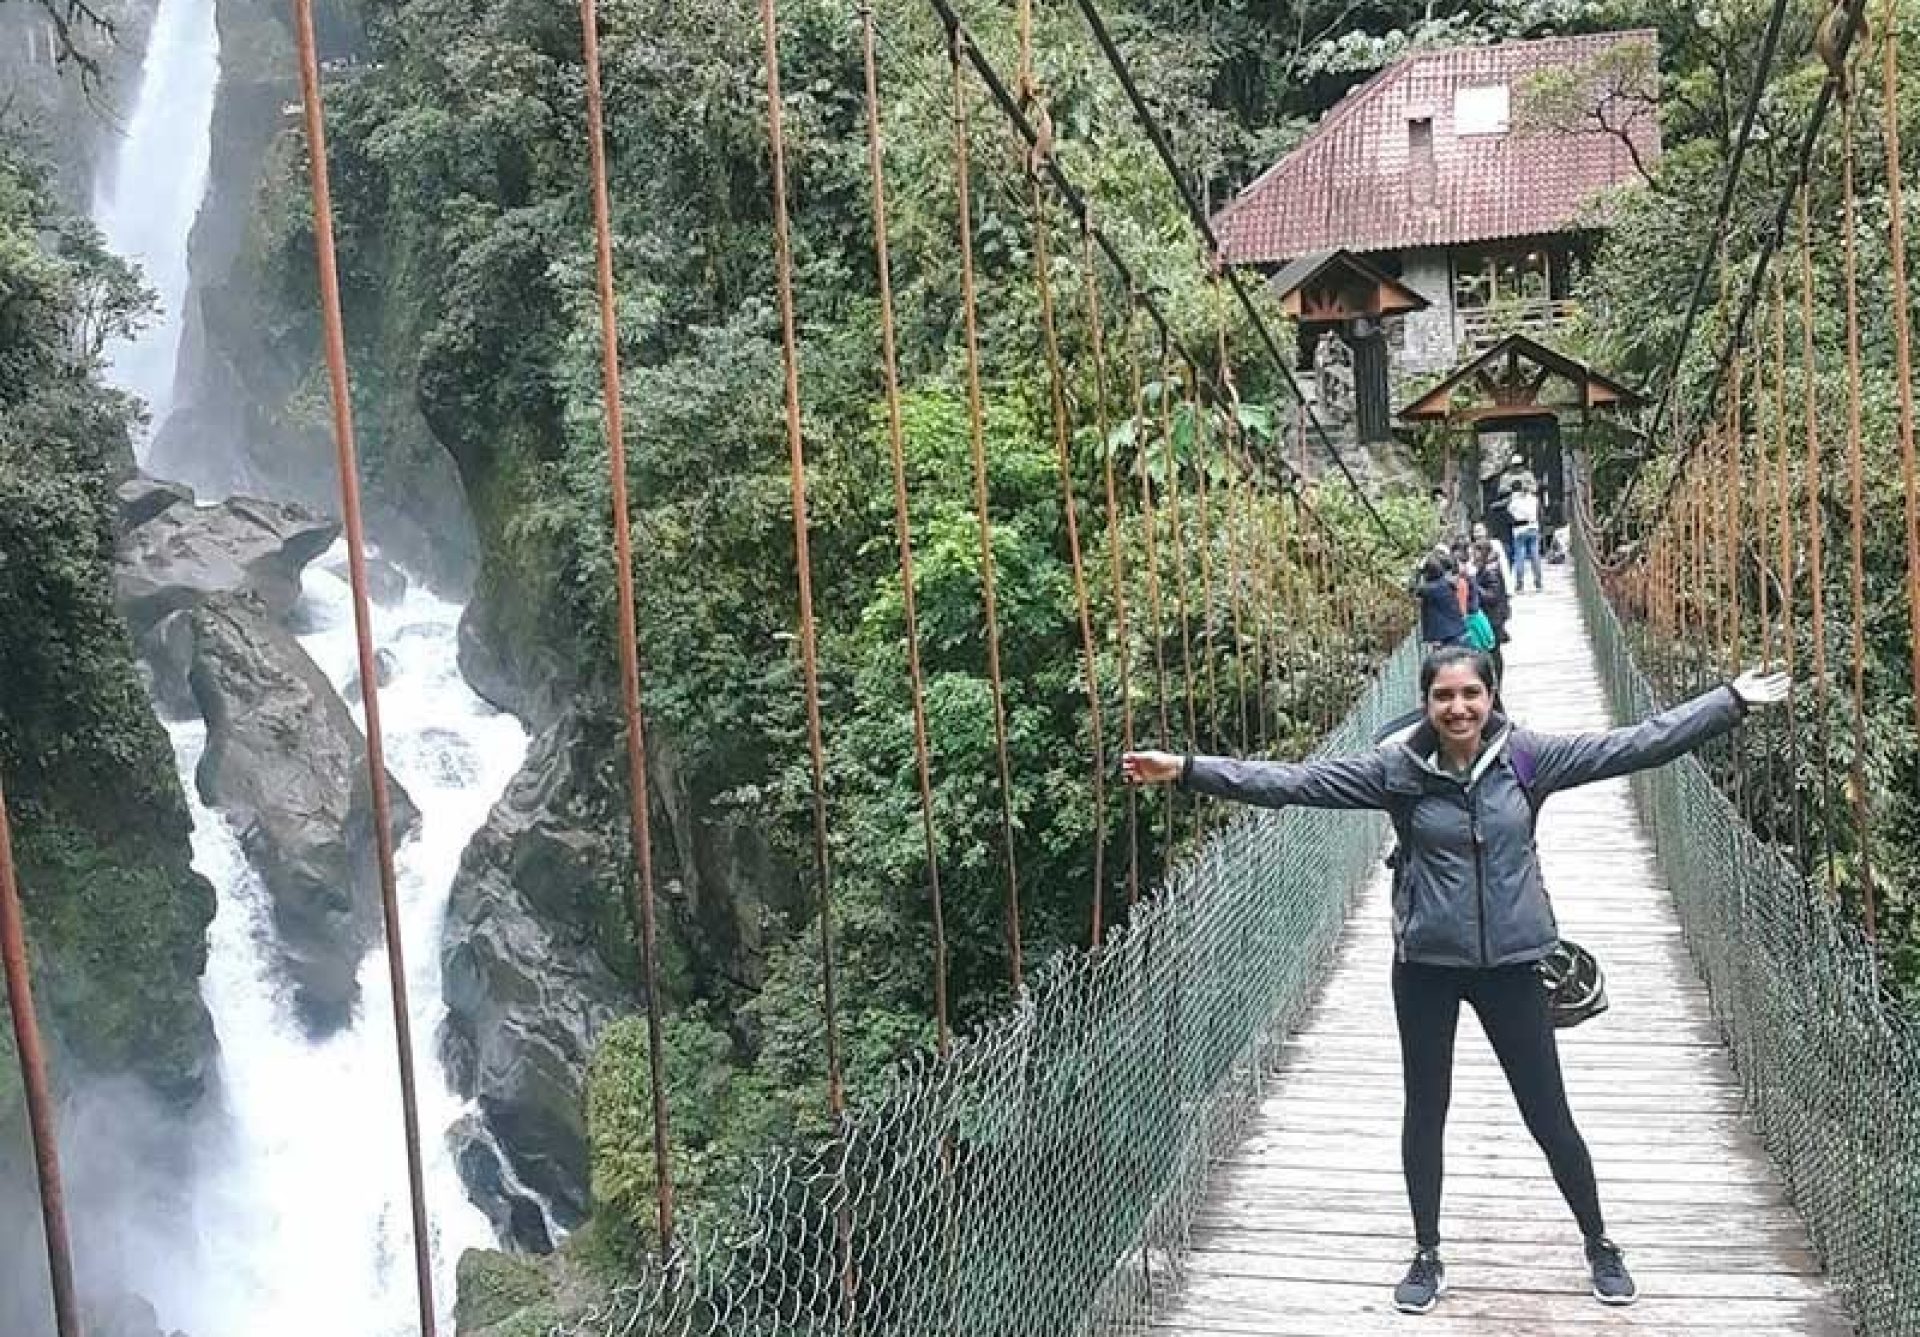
(1449, 655)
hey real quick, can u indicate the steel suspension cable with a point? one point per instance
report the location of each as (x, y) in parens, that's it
(1163, 147)
(1716, 242)
(1116, 559)
(1902, 329)
(803, 560)
(1069, 509)
(32, 1055)
(977, 440)
(1171, 456)
(1856, 472)
(335, 342)
(1770, 242)
(902, 520)
(639, 831)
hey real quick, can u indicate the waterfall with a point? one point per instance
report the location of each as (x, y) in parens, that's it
(145, 205)
(297, 1220)
(300, 1218)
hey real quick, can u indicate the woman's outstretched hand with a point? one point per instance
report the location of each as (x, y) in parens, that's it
(1151, 768)
(1758, 687)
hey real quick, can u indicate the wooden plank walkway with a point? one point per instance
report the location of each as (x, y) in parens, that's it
(1306, 1227)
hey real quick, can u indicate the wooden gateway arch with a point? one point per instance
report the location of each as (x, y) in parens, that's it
(1511, 400)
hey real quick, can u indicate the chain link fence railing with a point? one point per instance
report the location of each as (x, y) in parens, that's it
(1831, 1070)
(1043, 1179)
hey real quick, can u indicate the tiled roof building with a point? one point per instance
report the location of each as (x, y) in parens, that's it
(1421, 156)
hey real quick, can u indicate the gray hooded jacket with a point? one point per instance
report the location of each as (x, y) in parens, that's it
(1468, 890)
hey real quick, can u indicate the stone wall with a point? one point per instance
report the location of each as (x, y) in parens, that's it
(1426, 344)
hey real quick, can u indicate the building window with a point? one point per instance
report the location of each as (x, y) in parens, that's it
(1484, 278)
(1481, 111)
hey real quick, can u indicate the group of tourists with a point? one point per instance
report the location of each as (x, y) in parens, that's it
(1466, 587)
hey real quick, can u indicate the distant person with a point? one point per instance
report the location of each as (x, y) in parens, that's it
(1524, 508)
(1443, 606)
(1471, 918)
(1480, 535)
(1490, 579)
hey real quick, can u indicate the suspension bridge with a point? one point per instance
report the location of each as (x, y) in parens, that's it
(1188, 1125)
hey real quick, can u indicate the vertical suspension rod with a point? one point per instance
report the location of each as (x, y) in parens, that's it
(336, 354)
(39, 1091)
(902, 520)
(639, 832)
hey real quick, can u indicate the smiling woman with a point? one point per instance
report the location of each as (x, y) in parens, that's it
(1471, 918)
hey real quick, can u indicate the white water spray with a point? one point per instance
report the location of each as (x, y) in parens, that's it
(301, 1219)
(145, 205)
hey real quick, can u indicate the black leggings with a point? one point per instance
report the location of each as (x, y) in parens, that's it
(1513, 1011)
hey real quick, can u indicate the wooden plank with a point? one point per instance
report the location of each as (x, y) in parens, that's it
(1305, 1227)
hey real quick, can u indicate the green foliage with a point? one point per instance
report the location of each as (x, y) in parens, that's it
(115, 916)
(1633, 310)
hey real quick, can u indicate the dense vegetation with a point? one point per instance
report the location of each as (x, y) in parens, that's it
(117, 918)
(1633, 319)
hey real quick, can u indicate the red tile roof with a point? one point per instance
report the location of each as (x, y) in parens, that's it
(1349, 183)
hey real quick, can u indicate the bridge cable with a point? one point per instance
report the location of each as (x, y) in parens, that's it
(1229, 415)
(1069, 509)
(1770, 242)
(902, 521)
(1116, 558)
(809, 659)
(39, 1091)
(1816, 530)
(1849, 213)
(1203, 520)
(334, 336)
(1714, 249)
(1783, 512)
(1163, 147)
(1902, 330)
(958, 45)
(1149, 524)
(639, 831)
(1171, 465)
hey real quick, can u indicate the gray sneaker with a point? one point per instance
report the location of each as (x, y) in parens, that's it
(1426, 1281)
(1612, 1283)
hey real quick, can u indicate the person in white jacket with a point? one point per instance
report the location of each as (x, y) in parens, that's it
(1523, 506)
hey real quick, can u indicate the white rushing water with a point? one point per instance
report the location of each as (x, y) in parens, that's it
(301, 1223)
(145, 205)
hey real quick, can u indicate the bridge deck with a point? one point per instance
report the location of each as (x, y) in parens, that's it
(1306, 1226)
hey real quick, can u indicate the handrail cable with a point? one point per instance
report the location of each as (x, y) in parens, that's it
(639, 830)
(335, 342)
(33, 1078)
(1157, 134)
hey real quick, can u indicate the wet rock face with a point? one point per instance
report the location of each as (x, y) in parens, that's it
(286, 762)
(173, 555)
(527, 990)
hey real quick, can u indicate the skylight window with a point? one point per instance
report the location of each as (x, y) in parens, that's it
(1481, 111)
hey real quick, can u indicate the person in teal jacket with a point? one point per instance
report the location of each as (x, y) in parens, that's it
(1471, 917)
